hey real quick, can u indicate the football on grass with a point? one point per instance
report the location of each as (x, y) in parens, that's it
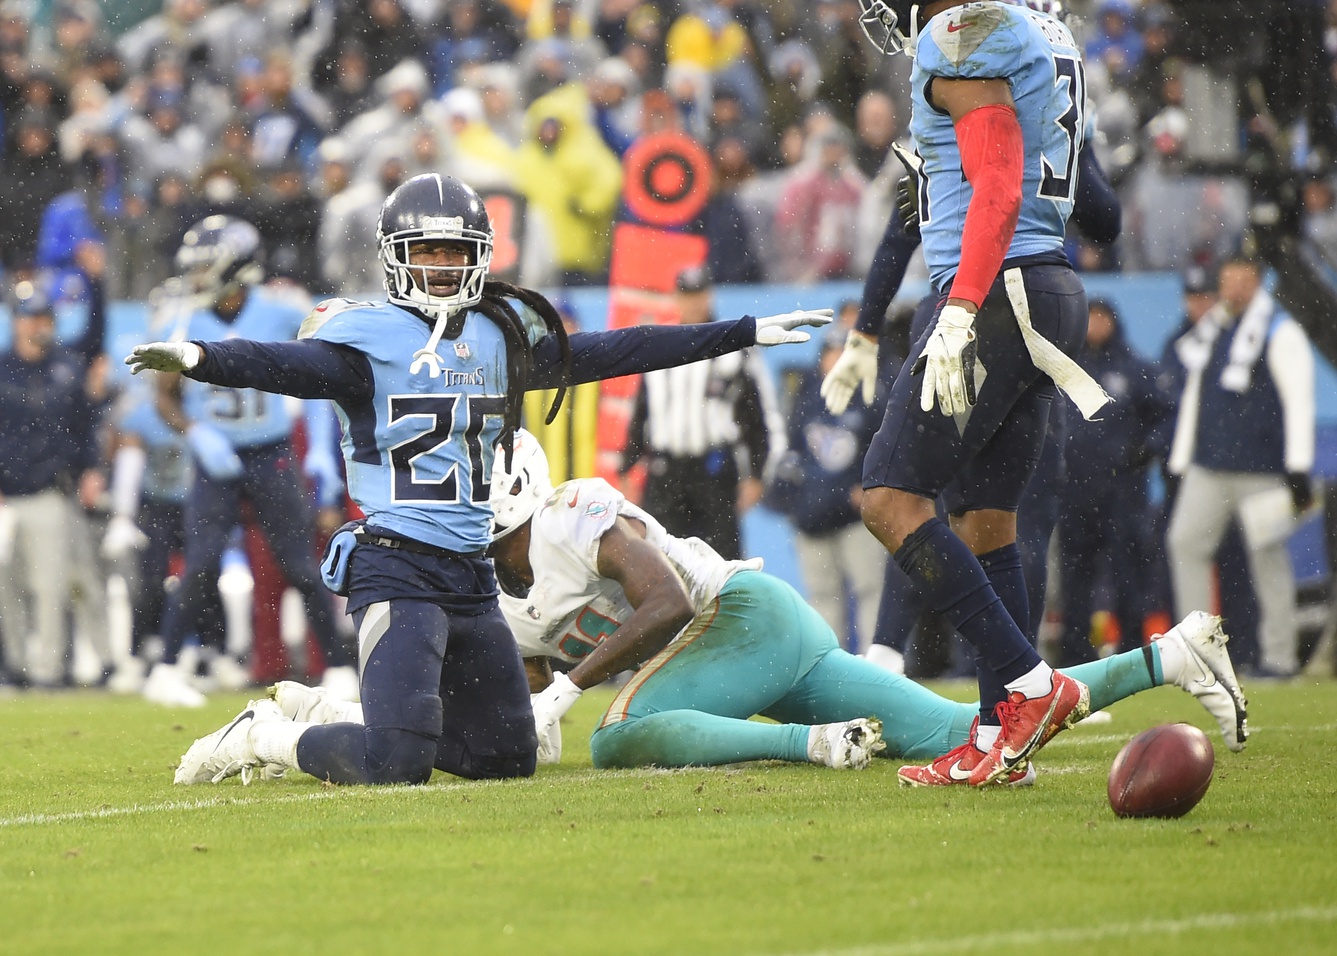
(1162, 772)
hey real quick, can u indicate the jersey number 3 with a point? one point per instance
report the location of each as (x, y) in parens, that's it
(1060, 182)
(418, 462)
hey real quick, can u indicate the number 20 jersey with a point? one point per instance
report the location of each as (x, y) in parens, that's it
(1042, 64)
(571, 607)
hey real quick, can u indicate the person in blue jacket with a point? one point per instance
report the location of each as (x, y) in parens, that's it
(1104, 512)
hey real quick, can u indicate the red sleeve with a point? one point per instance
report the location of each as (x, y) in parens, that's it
(992, 156)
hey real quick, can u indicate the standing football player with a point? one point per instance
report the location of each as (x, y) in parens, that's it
(997, 122)
(1098, 214)
(241, 443)
(426, 384)
(591, 579)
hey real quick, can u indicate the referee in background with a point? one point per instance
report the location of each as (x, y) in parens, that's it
(710, 434)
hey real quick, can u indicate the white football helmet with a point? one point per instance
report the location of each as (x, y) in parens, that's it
(518, 491)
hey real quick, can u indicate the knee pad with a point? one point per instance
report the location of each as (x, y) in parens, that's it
(421, 714)
(399, 756)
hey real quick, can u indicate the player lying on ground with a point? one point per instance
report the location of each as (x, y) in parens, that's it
(426, 385)
(591, 579)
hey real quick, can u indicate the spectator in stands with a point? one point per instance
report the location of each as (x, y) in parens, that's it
(289, 125)
(472, 31)
(846, 59)
(818, 209)
(615, 95)
(1117, 45)
(710, 434)
(730, 227)
(160, 140)
(403, 91)
(1104, 514)
(385, 32)
(819, 486)
(566, 172)
(47, 456)
(346, 236)
(795, 77)
(350, 91)
(875, 129)
(33, 177)
(730, 119)
(1320, 216)
(176, 30)
(1244, 443)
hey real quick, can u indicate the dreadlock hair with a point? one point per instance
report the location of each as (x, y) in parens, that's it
(519, 351)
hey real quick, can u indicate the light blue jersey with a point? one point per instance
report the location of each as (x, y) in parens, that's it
(248, 418)
(167, 465)
(1042, 63)
(419, 455)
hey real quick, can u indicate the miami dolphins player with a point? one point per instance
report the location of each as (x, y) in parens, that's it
(998, 99)
(241, 443)
(592, 580)
(426, 384)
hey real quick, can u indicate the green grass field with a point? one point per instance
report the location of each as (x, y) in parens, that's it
(99, 853)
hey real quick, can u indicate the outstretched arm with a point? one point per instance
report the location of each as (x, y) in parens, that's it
(303, 369)
(644, 348)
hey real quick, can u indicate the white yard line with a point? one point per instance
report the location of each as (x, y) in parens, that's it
(1087, 934)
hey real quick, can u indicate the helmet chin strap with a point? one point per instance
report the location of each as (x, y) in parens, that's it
(914, 31)
(426, 356)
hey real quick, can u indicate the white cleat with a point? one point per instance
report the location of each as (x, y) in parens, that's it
(228, 751)
(1210, 677)
(167, 685)
(848, 745)
(313, 705)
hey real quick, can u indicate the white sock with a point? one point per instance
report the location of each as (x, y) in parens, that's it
(1174, 656)
(275, 741)
(1036, 682)
(986, 735)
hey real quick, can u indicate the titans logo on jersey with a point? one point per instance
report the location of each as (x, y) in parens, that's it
(419, 454)
(1042, 63)
(249, 418)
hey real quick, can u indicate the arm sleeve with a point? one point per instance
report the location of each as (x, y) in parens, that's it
(1096, 209)
(304, 369)
(992, 157)
(885, 276)
(643, 348)
(1291, 362)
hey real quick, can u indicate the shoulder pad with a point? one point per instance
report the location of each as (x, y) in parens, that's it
(576, 515)
(956, 36)
(325, 311)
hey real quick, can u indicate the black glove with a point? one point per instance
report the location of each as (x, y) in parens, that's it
(1302, 490)
(907, 205)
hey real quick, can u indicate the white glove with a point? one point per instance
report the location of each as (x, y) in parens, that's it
(780, 329)
(550, 704)
(948, 363)
(550, 743)
(857, 366)
(122, 538)
(164, 357)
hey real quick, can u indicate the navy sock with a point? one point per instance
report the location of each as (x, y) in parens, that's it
(954, 584)
(1006, 573)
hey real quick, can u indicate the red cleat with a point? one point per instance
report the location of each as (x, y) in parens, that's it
(1029, 723)
(955, 768)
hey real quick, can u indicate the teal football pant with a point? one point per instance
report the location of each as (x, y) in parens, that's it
(759, 649)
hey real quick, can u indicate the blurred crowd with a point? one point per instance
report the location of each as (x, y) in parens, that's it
(300, 116)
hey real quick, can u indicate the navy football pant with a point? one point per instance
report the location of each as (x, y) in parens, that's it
(440, 689)
(213, 509)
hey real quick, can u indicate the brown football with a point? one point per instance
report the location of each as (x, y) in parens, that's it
(1162, 772)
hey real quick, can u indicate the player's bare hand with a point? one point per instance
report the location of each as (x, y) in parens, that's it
(948, 363)
(855, 368)
(783, 329)
(164, 357)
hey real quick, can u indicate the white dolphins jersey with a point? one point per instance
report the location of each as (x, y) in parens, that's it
(571, 608)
